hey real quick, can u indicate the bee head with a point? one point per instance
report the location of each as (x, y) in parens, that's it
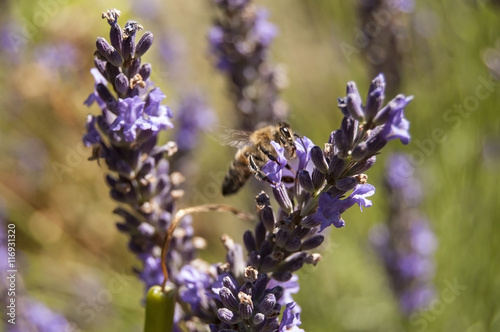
(286, 138)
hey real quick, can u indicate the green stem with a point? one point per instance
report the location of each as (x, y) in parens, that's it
(160, 305)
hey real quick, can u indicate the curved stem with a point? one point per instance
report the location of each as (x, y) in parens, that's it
(182, 213)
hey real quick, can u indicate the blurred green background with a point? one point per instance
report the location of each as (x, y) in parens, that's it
(60, 204)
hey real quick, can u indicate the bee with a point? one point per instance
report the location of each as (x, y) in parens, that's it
(254, 150)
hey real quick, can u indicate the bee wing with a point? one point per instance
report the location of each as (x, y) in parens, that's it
(233, 137)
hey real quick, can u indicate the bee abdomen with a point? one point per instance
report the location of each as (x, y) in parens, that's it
(237, 175)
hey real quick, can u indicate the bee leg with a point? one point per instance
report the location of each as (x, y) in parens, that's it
(257, 172)
(273, 158)
(268, 154)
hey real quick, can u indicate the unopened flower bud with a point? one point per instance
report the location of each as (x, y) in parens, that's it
(336, 168)
(309, 222)
(134, 68)
(305, 181)
(100, 65)
(346, 184)
(318, 179)
(361, 167)
(109, 52)
(115, 37)
(144, 44)
(228, 299)
(282, 198)
(129, 32)
(266, 215)
(354, 106)
(258, 319)
(318, 159)
(145, 71)
(400, 101)
(267, 304)
(313, 242)
(121, 83)
(228, 283)
(227, 316)
(245, 307)
(359, 152)
(375, 97)
(249, 241)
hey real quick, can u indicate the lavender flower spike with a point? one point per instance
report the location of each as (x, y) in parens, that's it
(388, 50)
(327, 182)
(125, 136)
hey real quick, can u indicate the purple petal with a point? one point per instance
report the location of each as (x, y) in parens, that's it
(397, 127)
(92, 136)
(303, 146)
(359, 195)
(280, 150)
(155, 98)
(290, 320)
(216, 36)
(264, 30)
(94, 96)
(330, 209)
(274, 169)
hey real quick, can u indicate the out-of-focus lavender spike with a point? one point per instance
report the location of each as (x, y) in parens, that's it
(240, 41)
(388, 49)
(35, 315)
(406, 243)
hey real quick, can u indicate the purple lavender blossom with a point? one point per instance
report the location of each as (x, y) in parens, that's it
(303, 151)
(195, 288)
(397, 127)
(92, 136)
(274, 168)
(151, 273)
(406, 242)
(402, 179)
(331, 208)
(252, 305)
(130, 118)
(290, 320)
(264, 31)
(234, 295)
(158, 115)
(324, 177)
(94, 96)
(281, 243)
